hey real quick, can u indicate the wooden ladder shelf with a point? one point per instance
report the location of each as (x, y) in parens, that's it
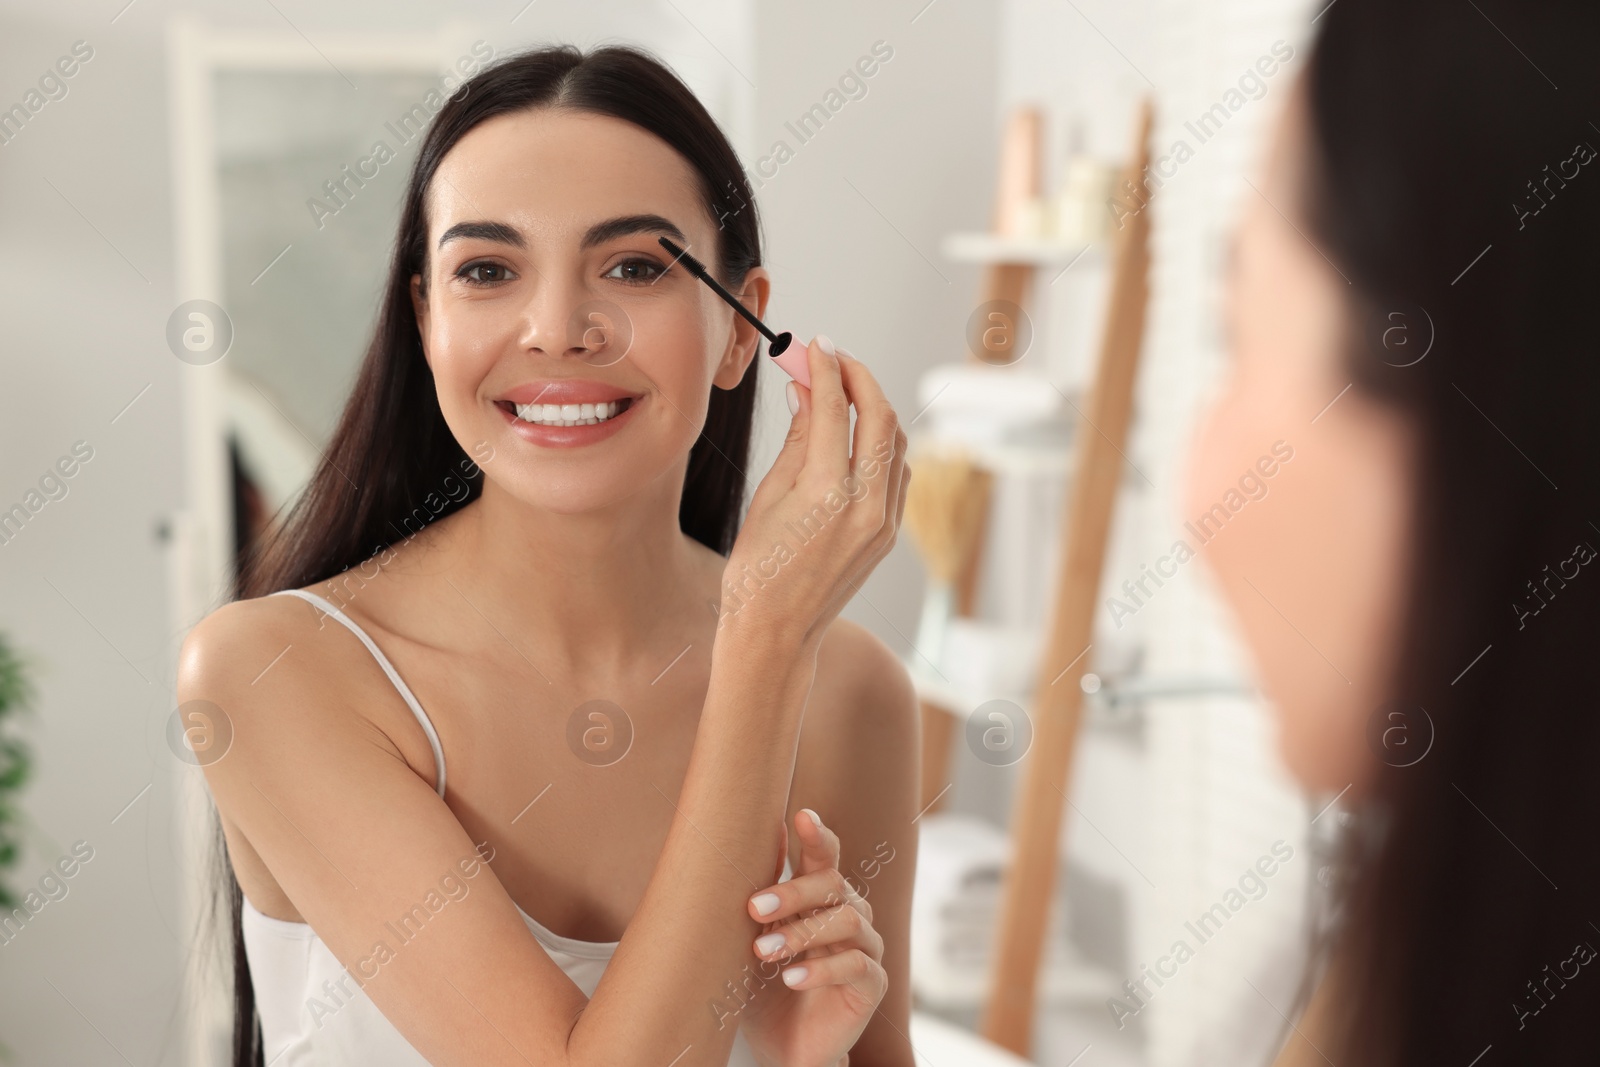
(1058, 700)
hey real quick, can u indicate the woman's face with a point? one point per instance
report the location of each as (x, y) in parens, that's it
(547, 303)
(1312, 568)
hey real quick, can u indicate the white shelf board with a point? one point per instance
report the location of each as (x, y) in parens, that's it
(957, 700)
(995, 248)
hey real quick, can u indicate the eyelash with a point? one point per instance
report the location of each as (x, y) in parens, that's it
(659, 271)
(477, 264)
(465, 273)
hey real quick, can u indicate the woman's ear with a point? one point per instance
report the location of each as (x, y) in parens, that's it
(744, 340)
(419, 308)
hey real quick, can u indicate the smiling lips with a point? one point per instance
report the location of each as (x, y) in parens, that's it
(565, 405)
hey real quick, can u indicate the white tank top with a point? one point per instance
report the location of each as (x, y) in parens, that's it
(312, 1010)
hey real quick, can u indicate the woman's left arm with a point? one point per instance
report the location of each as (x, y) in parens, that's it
(857, 767)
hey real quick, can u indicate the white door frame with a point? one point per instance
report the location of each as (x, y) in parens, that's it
(203, 530)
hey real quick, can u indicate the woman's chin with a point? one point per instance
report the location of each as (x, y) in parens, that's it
(1322, 759)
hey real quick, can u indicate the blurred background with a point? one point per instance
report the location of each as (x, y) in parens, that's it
(187, 280)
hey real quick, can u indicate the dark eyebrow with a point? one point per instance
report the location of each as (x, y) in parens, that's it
(599, 233)
(626, 225)
(489, 231)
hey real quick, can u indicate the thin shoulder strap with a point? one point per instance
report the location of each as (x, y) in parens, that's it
(388, 669)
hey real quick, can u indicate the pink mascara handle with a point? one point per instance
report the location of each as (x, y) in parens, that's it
(794, 362)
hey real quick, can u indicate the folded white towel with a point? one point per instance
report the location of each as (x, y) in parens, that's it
(961, 862)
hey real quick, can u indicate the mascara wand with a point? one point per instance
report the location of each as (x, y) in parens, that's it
(791, 360)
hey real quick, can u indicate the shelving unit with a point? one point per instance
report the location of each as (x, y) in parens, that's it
(1018, 425)
(1018, 420)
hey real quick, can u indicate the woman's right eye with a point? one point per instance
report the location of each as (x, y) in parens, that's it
(484, 272)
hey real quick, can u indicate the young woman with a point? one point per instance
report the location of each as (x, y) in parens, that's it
(1412, 311)
(517, 758)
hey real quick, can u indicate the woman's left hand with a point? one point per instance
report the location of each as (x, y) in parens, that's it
(820, 929)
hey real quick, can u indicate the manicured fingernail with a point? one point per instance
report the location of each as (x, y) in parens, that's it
(793, 394)
(814, 817)
(825, 344)
(765, 903)
(794, 976)
(770, 943)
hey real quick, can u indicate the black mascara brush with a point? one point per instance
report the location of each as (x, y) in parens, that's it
(791, 359)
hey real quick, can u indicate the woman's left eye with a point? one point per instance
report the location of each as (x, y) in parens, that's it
(635, 271)
(483, 273)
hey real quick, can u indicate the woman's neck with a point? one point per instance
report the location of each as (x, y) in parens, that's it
(591, 589)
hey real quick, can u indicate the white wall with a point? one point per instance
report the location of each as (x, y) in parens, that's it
(854, 219)
(85, 273)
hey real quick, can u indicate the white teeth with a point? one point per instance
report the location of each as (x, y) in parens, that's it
(567, 414)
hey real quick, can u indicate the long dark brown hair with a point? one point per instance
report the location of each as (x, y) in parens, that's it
(375, 486)
(1451, 181)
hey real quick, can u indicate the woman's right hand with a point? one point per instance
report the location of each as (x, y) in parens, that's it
(827, 511)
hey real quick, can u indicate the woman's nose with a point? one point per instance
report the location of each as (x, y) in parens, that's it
(566, 320)
(600, 332)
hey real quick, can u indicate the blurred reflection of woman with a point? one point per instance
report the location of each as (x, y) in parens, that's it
(1411, 309)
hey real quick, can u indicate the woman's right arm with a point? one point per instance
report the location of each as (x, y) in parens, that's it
(374, 860)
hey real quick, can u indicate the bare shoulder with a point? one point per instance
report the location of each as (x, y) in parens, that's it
(219, 653)
(862, 732)
(863, 680)
(268, 699)
(264, 656)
